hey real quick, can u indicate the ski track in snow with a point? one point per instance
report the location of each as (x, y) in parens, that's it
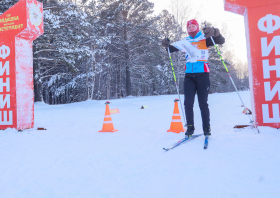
(72, 159)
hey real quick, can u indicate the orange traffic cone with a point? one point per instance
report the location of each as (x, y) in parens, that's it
(108, 123)
(176, 122)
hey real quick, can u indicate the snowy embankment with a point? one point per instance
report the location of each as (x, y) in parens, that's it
(72, 159)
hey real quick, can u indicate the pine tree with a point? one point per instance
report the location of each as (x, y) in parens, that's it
(129, 27)
(59, 51)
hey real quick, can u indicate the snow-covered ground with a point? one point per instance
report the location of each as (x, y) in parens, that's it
(72, 159)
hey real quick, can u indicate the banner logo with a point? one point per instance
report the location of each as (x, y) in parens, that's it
(269, 23)
(35, 15)
(4, 51)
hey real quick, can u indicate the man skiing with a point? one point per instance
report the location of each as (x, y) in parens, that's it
(197, 73)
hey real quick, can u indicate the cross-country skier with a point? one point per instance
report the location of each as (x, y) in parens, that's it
(197, 73)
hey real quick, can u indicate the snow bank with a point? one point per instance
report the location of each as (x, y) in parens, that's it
(71, 159)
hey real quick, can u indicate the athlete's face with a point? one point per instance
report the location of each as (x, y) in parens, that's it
(192, 28)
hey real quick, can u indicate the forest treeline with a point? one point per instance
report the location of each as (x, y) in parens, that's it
(109, 49)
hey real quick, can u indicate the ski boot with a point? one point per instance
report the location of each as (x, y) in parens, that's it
(207, 131)
(189, 131)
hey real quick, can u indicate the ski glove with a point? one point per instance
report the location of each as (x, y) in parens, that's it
(210, 31)
(165, 42)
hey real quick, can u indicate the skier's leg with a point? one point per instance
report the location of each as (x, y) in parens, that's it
(203, 85)
(189, 92)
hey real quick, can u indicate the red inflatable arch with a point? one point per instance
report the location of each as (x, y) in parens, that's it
(262, 23)
(19, 26)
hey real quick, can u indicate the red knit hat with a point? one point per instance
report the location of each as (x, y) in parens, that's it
(193, 22)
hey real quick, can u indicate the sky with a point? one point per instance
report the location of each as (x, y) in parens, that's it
(213, 11)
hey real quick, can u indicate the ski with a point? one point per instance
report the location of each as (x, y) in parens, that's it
(182, 141)
(206, 142)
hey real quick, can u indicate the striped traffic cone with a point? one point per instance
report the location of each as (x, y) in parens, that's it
(108, 123)
(176, 122)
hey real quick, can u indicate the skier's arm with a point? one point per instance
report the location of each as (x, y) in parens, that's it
(172, 49)
(215, 34)
(165, 43)
(218, 40)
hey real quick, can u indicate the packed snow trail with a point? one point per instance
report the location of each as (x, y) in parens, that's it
(72, 159)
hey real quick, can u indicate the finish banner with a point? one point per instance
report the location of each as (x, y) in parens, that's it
(262, 23)
(19, 26)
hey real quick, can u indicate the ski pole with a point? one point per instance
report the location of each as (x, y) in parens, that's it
(230, 77)
(183, 112)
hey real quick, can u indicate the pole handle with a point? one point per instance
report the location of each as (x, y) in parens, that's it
(168, 41)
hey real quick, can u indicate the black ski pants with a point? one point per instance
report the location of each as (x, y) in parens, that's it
(197, 83)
